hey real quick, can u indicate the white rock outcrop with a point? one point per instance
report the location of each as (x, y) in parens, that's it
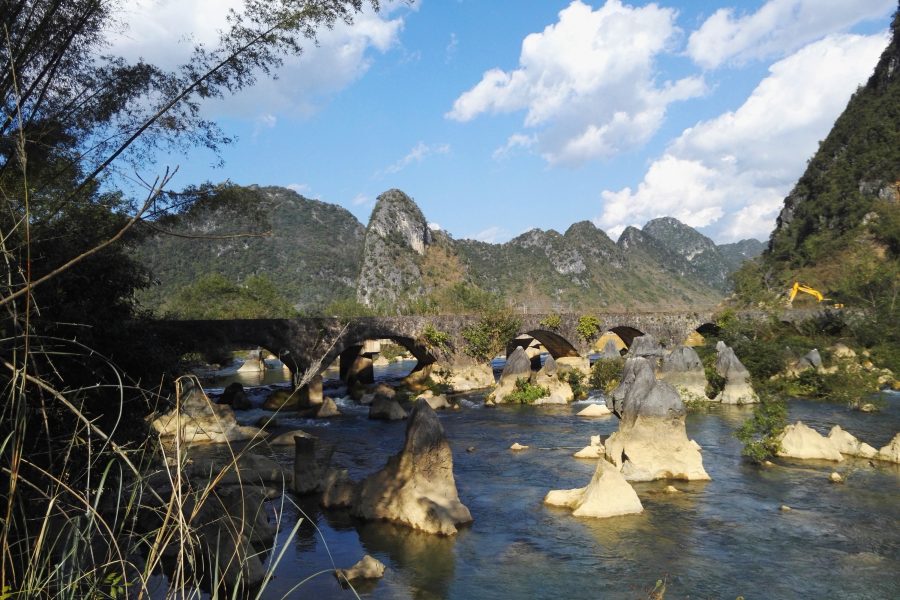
(607, 495)
(416, 488)
(800, 441)
(651, 442)
(684, 370)
(891, 452)
(737, 379)
(367, 568)
(845, 443)
(518, 366)
(594, 410)
(610, 351)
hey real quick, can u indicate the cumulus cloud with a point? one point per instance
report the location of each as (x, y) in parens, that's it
(434, 227)
(517, 140)
(362, 200)
(491, 235)
(299, 187)
(777, 28)
(419, 153)
(164, 32)
(588, 81)
(731, 174)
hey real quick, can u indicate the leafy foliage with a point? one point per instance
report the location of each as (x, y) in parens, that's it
(214, 297)
(392, 352)
(576, 380)
(759, 433)
(552, 322)
(605, 374)
(588, 326)
(490, 336)
(431, 338)
(526, 392)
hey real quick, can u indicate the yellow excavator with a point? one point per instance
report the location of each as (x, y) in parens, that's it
(808, 290)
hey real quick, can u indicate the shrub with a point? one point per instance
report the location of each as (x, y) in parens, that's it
(759, 433)
(575, 379)
(552, 322)
(605, 374)
(526, 392)
(431, 338)
(588, 326)
(392, 352)
(490, 336)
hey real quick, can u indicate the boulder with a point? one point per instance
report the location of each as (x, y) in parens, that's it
(811, 360)
(386, 409)
(200, 419)
(367, 399)
(244, 505)
(799, 441)
(367, 568)
(288, 438)
(437, 402)
(416, 488)
(383, 389)
(548, 377)
(518, 366)
(339, 491)
(266, 421)
(595, 450)
(835, 477)
(891, 452)
(308, 477)
(328, 409)
(517, 446)
(842, 352)
(737, 379)
(610, 351)
(282, 398)
(246, 469)
(607, 495)
(845, 443)
(720, 345)
(235, 397)
(381, 362)
(646, 346)
(426, 394)
(595, 410)
(651, 442)
(684, 370)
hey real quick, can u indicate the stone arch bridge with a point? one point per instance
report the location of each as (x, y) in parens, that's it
(315, 343)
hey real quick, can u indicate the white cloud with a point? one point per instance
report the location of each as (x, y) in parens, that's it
(777, 28)
(589, 81)
(490, 235)
(164, 32)
(731, 174)
(362, 199)
(299, 187)
(451, 47)
(434, 227)
(517, 140)
(419, 153)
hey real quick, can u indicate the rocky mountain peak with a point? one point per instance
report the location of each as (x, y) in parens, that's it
(397, 215)
(677, 236)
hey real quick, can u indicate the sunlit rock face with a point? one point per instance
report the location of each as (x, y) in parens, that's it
(684, 370)
(651, 442)
(607, 495)
(737, 379)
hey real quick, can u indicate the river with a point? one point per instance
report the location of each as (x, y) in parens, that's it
(719, 539)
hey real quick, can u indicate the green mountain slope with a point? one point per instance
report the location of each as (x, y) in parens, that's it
(312, 254)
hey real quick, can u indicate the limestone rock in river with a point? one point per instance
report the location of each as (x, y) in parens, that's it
(610, 351)
(288, 438)
(891, 452)
(594, 410)
(465, 378)
(684, 370)
(548, 377)
(518, 366)
(416, 488)
(328, 409)
(282, 398)
(386, 409)
(651, 442)
(517, 446)
(437, 402)
(646, 346)
(339, 491)
(201, 420)
(607, 495)
(235, 397)
(799, 441)
(367, 568)
(845, 443)
(617, 397)
(737, 379)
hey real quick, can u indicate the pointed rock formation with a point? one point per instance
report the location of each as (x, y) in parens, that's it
(652, 442)
(327, 409)
(548, 377)
(607, 495)
(595, 410)
(416, 488)
(845, 443)
(646, 346)
(737, 379)
(518, 366)
(386, 409)
(610, 351)
(684, 370)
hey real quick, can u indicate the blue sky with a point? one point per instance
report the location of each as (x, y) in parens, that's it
(502, 116)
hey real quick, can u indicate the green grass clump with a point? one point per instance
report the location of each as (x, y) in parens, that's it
(526, 392)
(576, 381)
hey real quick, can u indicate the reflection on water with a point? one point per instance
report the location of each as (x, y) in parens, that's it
(719, 539)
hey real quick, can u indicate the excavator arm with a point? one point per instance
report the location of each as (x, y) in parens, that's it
(808, 290)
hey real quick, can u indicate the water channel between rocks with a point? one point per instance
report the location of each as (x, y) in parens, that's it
(719, 539)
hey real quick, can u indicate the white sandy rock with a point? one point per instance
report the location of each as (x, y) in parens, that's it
(891, 452)
(590, 452)
(800, 441)
(845, 443)
(651, 442)
(737, 379)
(416, 488)
(437, 402)
(367, 568)
(607, 495)
(517, 446)
(594, 410)
(842, 352)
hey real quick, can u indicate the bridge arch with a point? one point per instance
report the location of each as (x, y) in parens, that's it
(556, 345)
(626, 333)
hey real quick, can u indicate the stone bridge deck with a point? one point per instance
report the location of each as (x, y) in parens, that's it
(317, 342)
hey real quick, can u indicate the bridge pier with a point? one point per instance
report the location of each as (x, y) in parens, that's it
(357, 365)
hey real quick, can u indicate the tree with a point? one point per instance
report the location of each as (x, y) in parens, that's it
(214, 297)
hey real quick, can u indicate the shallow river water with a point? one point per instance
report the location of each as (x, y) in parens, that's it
(719, 539)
